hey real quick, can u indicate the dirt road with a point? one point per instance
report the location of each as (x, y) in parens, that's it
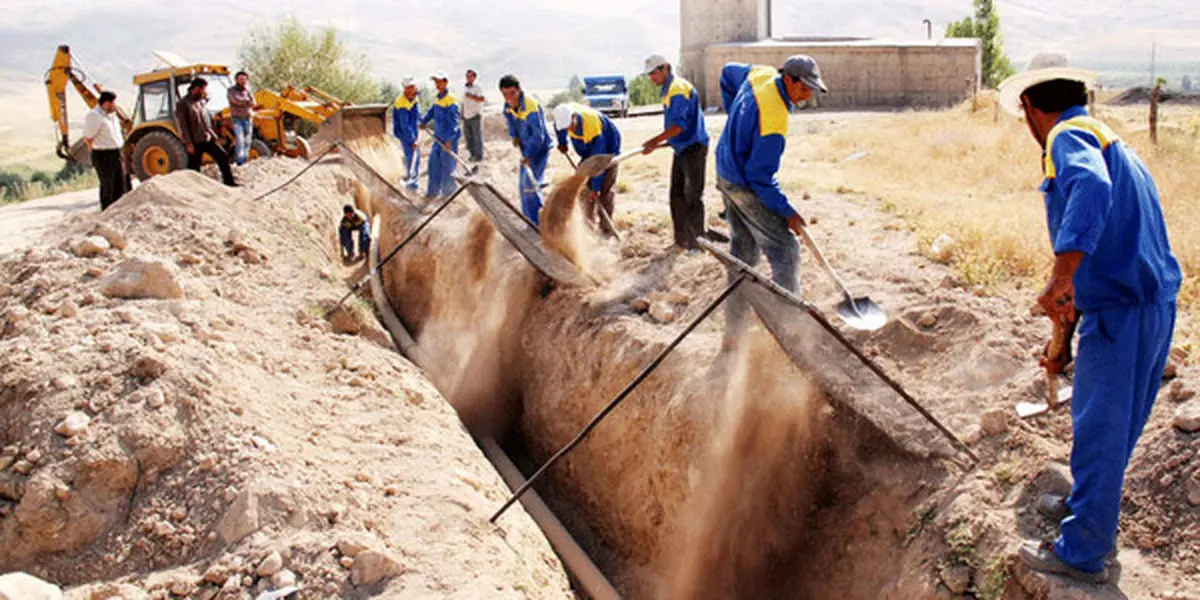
(22, 223)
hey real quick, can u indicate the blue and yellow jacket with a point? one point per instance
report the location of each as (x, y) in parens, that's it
(681, 106)
(1102, 201)
(357, 220)
(444, 114)
(591, 133)
(527, 124)
(755, 134)
(406, 119)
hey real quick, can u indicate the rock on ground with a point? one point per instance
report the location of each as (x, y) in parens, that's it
(142, 278)
(22, 586)
(1187, 418)
(91, 246)
(372, 566)
(241, 519)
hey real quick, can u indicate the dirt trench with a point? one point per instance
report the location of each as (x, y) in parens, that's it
(728, 474)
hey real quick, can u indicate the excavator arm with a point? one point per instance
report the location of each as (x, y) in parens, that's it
(62, 71)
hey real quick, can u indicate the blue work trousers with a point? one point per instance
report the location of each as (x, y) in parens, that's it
(412, 164)
(531, 189)
(441, 168)
(1122, 353)
(243, 135)
(364, 239)
(754, 229)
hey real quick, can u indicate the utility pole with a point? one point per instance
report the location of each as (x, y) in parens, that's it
(928, 29)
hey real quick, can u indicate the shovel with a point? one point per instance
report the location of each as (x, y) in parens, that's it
(859, 313)
(1060, 342)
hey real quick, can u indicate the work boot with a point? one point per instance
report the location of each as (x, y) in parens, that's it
(1053, 507)
(1040, 557)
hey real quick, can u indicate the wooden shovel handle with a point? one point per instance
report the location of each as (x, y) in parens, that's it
(1058, 342)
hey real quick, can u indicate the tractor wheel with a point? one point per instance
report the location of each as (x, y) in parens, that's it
(158, 153)
(259, 149)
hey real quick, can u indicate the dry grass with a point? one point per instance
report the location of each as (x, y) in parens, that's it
(973, 176)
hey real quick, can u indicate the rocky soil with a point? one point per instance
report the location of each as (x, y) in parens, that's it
(182, 417)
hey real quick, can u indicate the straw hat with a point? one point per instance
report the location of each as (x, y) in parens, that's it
(1042, 67)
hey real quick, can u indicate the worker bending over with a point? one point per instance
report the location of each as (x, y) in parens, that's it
(684, 132)
(1113, 265)
(446, 131)
(406, 123)
(527, 128)
(758, 100)
(354, 220)
(591, 133)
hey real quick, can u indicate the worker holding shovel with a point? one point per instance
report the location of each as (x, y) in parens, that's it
(1113, 264)
(406, 122)
(446, 131)
(591, 133)
(527, 128)
(758, 100)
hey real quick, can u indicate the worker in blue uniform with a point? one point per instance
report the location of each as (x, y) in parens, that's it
(527, 128)
(683, 130)
(354, 221)
(406, 123)
(591, 133)
(1114, 270)
(758, 100)
(446, 131)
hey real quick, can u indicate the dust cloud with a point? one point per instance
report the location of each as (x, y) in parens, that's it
(747, 518)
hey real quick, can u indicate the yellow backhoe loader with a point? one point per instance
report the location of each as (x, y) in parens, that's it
(152, 142)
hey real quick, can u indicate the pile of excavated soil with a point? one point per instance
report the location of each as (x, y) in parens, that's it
(182, 419)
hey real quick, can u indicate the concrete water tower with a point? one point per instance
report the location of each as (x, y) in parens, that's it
(707, 22)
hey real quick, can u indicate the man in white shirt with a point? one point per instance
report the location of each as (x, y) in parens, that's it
(472, 115)
(102, 133)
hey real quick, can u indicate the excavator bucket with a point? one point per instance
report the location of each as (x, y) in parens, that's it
(357, 126)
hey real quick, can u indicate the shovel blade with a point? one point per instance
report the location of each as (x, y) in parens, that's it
(862, 314)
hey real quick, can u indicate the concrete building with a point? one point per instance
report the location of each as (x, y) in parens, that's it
(858, 71)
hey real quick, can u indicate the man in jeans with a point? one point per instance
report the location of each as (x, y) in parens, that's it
(758, 100)
(684, 131)
(472, 115)
(241, 111)
(195, 128)
(102, 133)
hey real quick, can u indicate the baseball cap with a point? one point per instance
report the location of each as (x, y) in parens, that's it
(439, 75)
(408, 81)
(653, 62)
(804, 68)
(562, 115)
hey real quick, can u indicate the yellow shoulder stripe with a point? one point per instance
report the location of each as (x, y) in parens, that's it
(404, 103)
(528, 107)
(772, 110)
(447, 101)
(1103, 133)
(679, 87)
(592, 125)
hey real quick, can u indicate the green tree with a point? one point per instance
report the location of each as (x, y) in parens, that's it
(985, 26)
(573, 93)
(388, 92)
(291, 54)
(643, 92)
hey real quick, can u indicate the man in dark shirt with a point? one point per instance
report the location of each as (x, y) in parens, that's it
(195, 128)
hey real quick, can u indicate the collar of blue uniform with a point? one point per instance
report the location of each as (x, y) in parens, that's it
(787, 101)
(1071, 113)
(666, 86)
(443, 94)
